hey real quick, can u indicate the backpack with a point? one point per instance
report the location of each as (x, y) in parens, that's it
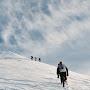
(62, 68)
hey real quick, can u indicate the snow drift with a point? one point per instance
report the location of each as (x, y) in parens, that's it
(18, 74)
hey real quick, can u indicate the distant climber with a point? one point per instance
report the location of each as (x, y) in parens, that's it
(31, 57)
(35, 58)
(39, 59)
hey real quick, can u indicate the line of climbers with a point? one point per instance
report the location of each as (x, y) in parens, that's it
(35, 59)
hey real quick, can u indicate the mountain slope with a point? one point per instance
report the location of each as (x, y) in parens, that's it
(31, 75)
(10, 55)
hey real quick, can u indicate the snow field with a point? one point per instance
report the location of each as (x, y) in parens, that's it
(18, 74)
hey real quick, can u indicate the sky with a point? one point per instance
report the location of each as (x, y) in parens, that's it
(51, 29)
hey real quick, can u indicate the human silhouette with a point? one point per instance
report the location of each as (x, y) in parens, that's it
(31, 57)
(62, 71)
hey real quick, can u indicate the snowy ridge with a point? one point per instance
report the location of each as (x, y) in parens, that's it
(10, 55)
(31, 75)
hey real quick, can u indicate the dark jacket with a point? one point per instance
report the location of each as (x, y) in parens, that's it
(58, 71)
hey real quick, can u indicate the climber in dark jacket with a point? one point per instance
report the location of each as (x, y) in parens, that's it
(62, 70)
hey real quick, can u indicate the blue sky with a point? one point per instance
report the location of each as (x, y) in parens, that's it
(52, 30)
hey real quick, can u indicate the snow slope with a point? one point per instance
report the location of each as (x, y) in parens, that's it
(30, 75)
(10, 55)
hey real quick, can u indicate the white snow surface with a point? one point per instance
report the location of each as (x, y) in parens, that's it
(18, 74)
(10, 55)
